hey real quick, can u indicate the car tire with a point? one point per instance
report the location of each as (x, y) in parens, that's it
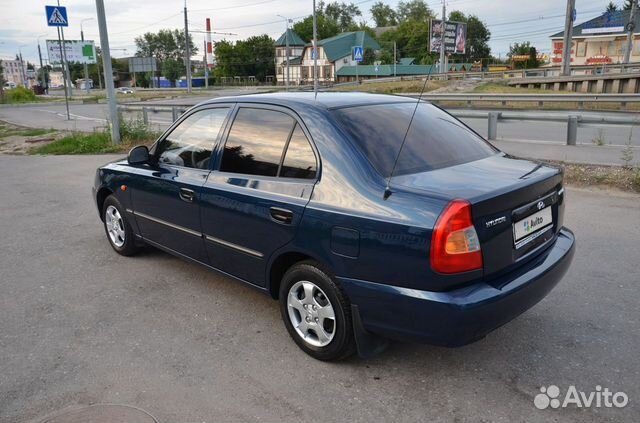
(316, 312)
(117, 227)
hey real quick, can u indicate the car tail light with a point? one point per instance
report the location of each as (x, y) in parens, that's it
(455, 246)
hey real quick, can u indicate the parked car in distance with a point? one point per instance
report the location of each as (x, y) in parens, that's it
(124, 90)
(362, 226)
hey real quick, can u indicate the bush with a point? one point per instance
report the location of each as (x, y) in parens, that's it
(20, 95)
(135, 131)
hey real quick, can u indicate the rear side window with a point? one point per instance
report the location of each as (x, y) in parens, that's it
(435, 139)
(299, 161)
(256, 142)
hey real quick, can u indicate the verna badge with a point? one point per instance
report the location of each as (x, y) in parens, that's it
(540, 205)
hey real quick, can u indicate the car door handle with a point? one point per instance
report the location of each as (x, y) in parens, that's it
(281, 215)
(187, 195)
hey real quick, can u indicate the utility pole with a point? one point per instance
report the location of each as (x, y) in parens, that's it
(568, 34)
(42, 77)
(631, 26)
(86, 66)
(315, 51)
(23, 72)
(187, 53)
(395, 59)
(108, 72)
(64, 78)
(443, 69)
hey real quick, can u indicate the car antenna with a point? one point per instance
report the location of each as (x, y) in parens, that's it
(387, 189)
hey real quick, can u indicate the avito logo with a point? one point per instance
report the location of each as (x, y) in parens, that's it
(549, 396)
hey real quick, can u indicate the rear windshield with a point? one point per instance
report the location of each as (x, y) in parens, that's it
(435, 139)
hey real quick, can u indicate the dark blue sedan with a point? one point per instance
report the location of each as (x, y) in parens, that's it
(365, 227)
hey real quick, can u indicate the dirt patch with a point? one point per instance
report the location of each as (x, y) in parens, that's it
(19, 140)
(625, 179)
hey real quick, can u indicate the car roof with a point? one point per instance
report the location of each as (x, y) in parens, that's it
(325, 100)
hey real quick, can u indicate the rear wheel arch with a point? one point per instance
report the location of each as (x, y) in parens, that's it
(281, 264)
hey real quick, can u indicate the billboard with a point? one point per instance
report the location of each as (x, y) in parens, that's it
(83, 52)
(142, 64)
(455, 37)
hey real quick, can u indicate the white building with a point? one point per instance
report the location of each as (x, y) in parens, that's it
(14, 72)
(599, 41)
(333, 54)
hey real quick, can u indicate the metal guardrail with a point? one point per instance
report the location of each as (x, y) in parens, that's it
(573, 118)
(579, 99)
(580, 70)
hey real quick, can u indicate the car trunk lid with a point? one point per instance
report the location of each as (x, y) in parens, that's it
(503, 192)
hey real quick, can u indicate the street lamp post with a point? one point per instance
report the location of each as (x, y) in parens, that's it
(86, 67)
(287, 55)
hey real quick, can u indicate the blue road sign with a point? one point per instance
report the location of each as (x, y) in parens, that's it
(357, 54)
(574, 15)
(56, 16)
(314, 53)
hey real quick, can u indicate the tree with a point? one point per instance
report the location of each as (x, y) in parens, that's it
(343, 14)
(611, 7)
(410, 37)
(326, 28)
(383, 14)
(478, 36)
(2, 81)
(522, 49)
(254, 56)
(369, 57)
(332, 18)
(171, 69)
(164, 45)
(416, 10)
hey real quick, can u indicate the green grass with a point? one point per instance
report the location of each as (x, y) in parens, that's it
(132, 132)
(95, 143)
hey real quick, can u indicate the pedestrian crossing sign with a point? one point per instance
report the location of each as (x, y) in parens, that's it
(357, 54)
(57, 16)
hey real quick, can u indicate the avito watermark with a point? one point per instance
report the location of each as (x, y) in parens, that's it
(550, 396)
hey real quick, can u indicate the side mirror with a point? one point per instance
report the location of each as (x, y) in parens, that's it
(138, 155)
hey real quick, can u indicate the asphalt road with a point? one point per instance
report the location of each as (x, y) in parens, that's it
(81, 325)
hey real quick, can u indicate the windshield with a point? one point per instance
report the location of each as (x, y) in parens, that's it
(435, 139)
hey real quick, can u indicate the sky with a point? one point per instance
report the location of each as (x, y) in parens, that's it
(23, 23)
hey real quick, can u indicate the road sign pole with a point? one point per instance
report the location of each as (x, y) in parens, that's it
(64, 79)
(86, 67)
(108, 72)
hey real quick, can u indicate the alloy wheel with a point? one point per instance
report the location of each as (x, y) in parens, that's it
(311, 313)
(115, 226)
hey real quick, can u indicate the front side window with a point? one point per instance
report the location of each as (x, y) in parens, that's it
(256, 141)
(190, 144)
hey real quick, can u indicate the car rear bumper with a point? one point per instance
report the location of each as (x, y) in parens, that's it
(463, 315)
